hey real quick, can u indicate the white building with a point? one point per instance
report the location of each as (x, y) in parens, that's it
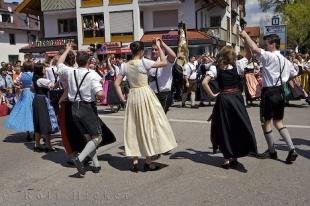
(16, 31)
(221, 19)
(116, 23)
(102, 21)
(161, 18)
(58, 25)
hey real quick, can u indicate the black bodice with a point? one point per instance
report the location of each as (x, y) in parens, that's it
(37, 89)
(228, 78)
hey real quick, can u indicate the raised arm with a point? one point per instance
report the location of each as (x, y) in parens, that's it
(251, 44)
(163, 60)
(62, 58)
(169, 52)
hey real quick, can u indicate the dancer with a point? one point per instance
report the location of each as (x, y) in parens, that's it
(231, 127)
(44, 117)
(52, 74)
(162, 77)
(21, 117)
(190, 76)
(147, 131)
(83, 88)
(276, 71)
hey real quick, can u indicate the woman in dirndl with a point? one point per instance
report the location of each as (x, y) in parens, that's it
(21, 119)
(44, 117)
(231, 127)
(147, 131)
(112, 98)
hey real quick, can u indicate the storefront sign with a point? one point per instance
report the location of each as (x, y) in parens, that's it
(169, 37)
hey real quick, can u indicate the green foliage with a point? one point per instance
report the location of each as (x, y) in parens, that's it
(297, 18)
(296, 14)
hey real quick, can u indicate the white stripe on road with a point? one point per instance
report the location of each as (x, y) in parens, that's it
(197, 121)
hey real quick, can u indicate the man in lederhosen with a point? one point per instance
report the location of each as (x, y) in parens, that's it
(161, 80)
(190, 76)
(276, 71)
(83, 88)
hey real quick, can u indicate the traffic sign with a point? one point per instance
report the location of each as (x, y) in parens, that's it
(280, 30)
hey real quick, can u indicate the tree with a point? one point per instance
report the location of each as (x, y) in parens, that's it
(297, 19)
(275, 5)
(296, 16)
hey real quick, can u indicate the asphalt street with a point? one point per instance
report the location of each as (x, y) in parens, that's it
(190, 175)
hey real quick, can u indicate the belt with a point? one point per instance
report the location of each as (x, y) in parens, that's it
(230, 90)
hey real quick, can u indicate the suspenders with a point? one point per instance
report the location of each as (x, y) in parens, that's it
(55, 76)
(78, 86)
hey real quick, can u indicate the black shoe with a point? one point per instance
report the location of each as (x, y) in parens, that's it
(38, 149)
(202, 104)
(87, 161)
(214, 150)
(268, 155)
(150, 167)
(167, 153)
(50, 149)
(134, 168)
(308, 100)
(96, 169)
(79, 166)
(233, 163)
(194, 106)
(291, 157)
(226, 165)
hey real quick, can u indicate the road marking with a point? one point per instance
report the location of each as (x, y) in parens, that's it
(198, 121)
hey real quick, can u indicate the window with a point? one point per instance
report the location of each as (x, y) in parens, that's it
(6, 18)
(166, 18)
(12, 39)
(66, 26)
(215, 21)
(33, 38)
(93, 25)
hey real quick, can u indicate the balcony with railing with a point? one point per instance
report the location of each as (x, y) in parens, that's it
(147, 3)
(119, 2)
(216, 32)
(91, 3)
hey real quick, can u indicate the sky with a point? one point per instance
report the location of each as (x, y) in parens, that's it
(254, 15)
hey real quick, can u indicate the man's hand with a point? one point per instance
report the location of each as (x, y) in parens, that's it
(69, 46)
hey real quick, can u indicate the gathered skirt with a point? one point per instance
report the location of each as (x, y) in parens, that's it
(44, 117)
(73, 140)
(21, 116)
(147, 131)
(231, 128)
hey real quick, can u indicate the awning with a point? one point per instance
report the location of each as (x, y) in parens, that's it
(194, 37)
(122, 50)
(29, 7)
(41, 50)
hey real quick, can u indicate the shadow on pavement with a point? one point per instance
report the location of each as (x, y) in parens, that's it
(16, 138)
(204, 158)
(297, 142)
(120, 163)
